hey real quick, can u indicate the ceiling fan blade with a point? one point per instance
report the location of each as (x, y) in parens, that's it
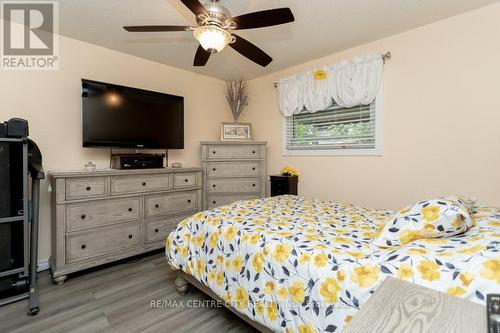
(251, 51)
(201, 57)
(195, 6)
(265, 18)
(155, 28)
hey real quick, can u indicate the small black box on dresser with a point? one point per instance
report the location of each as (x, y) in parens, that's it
(281, 185)
(137, 161)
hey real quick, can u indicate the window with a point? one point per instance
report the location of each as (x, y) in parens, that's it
(334, 131)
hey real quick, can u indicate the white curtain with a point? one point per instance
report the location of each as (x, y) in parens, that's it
(291, 97)
(348, 83)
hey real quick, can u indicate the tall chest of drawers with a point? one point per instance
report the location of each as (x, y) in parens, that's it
(103, 216)
(233, 171)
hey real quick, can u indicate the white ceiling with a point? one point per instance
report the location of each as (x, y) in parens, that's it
(321, 27)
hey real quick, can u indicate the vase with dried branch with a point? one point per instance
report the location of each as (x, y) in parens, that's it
(236, 96)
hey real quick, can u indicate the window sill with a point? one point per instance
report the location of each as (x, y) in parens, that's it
(340, 152)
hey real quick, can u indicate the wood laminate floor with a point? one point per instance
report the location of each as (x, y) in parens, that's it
(117, 298)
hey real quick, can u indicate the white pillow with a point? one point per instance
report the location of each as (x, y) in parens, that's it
(442, 217)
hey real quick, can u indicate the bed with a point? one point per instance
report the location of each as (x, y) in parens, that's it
(294, 264)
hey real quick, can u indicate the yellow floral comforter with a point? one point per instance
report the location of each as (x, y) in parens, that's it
(301, 265)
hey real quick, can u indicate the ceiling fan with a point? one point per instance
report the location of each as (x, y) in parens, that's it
(216, 26)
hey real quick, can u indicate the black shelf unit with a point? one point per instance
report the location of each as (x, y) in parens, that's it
(22, 273)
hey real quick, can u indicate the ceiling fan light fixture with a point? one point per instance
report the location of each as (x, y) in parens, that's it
(212, 38)
(216, 26)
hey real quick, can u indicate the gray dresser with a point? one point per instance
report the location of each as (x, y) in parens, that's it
(233, 171)
(103, 216)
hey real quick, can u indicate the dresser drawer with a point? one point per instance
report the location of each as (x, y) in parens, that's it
(187, 179)
(158, 230)
(102, 241)
(233, 169)
(234, 152)
(138, 184)
(90, 215)
(214, 200)
(234, 185)
(172, 203)
(82, 188)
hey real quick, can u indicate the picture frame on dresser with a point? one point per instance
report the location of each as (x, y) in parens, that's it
(236, 132)
(106, 215)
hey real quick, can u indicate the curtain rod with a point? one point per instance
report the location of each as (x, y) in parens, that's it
(385, 56)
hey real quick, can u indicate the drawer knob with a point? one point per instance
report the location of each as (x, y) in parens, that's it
(253, 152)
(144, 184)
(130, 209)
(83, 216)
(186, 180)
(88, 188)
(253, 185)
(214, 202)
(129, 236)
(83, 246)
(213, 185)
(213, 152)
(157, 206)
(214, 169)
(156, 230)
(189, 200)
(253, 168)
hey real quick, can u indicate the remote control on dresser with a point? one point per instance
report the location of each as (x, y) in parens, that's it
(493, 310)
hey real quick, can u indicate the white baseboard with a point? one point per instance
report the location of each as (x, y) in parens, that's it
(43, 265)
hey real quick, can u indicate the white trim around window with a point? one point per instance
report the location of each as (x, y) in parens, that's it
(376, 151)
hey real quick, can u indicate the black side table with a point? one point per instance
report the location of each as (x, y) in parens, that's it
(281, 185)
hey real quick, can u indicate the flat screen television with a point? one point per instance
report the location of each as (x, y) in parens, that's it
(123, 117)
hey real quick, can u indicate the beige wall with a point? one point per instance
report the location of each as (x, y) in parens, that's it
(441, 119)
(51, 101)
